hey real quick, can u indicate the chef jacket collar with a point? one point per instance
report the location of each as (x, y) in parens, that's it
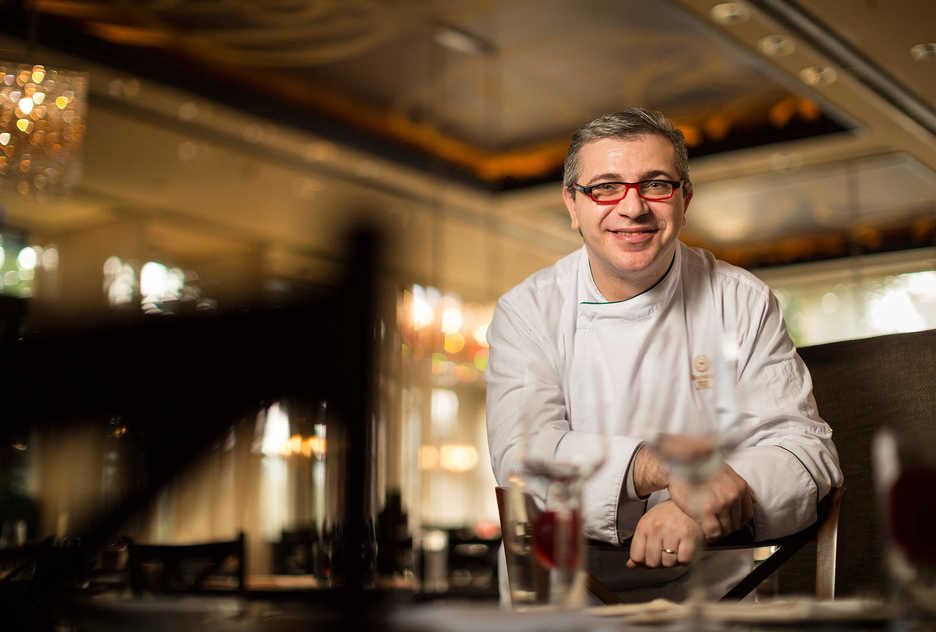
(639, 306)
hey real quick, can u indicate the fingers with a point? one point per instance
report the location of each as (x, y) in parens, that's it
(711, 529)
(672, 553)
(725, 525)
(637, 547)
(727, 504)
(738, 508)
(646, 545)
(664, 536)
(686, 550)
(654, 553)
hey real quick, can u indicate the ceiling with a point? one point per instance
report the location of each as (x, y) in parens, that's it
(490, 90)
(811, 124)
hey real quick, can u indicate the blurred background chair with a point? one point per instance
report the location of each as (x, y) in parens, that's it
(211, 567)
(299, 552)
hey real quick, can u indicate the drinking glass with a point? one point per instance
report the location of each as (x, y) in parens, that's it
(547, 538)
(696, 455)
(904, 468)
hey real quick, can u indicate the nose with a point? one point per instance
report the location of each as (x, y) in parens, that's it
(632, 205)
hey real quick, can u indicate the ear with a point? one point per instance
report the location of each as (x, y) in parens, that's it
(570, 206)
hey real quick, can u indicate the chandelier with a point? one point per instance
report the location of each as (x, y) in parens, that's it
(42, 126)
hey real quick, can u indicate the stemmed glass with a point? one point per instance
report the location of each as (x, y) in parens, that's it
(696, 456)
(546, 535)
(904, 468)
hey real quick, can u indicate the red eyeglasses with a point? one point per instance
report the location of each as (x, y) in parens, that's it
(614, 192)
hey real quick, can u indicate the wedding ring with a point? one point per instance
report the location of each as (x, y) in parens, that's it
(670, 551)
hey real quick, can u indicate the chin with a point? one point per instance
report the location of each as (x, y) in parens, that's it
(634, 264)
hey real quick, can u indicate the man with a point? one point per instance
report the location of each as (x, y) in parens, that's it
(619, 335)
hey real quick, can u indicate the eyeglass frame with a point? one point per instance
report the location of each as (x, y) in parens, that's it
(676, 184)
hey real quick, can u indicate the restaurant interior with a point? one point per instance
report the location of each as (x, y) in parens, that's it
(249, 250)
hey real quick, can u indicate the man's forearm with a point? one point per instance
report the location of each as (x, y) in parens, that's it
(650, 474)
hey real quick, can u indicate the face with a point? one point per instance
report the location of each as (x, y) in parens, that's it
(630, 244)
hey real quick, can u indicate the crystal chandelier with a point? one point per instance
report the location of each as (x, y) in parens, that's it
(42, 126)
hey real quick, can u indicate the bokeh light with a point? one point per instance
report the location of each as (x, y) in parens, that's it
(451, 320)
(454, 342)
(42, 140)
(458, 457)
(27, 258)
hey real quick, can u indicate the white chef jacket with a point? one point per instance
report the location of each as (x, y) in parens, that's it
(568, 362)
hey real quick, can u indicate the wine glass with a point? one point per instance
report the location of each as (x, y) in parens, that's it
(696, 456)
(904, 473)
(545, 526)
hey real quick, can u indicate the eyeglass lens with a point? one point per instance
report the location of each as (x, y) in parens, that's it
(648, 189)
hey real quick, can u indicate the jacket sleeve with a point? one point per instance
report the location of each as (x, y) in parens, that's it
(525, 399)
(785, 450)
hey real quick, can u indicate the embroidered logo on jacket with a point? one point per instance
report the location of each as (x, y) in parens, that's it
(700, 372)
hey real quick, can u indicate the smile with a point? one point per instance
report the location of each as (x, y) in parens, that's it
(634, 236)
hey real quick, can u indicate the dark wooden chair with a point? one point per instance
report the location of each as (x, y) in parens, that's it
(824, 532)
(299, 552)
(24, 563)
(208, 568)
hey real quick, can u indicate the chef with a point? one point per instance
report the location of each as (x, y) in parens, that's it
(612, 347)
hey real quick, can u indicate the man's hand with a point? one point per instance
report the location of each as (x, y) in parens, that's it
(665, 536)
(722, 506)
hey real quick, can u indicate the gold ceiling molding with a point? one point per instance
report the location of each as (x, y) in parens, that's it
(913, 232)
(256, 33)
(769, 108)
(262, 41)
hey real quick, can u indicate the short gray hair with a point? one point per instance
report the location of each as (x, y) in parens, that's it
(629, 123)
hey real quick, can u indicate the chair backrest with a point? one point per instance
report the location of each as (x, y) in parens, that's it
(860, 387)
(212, 567)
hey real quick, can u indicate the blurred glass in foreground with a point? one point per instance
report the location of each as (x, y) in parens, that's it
(904, 464)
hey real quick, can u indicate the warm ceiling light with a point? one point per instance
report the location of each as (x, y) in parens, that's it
(422, 313)
(428, 457)
(458, 457)
(462, 41)
(43, 141)
(730, 12)
(818, 75)
(691, 133)
(927, 50)
(777, 45)
(451, 320)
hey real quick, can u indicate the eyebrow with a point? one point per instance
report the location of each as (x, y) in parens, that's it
(616, 177)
